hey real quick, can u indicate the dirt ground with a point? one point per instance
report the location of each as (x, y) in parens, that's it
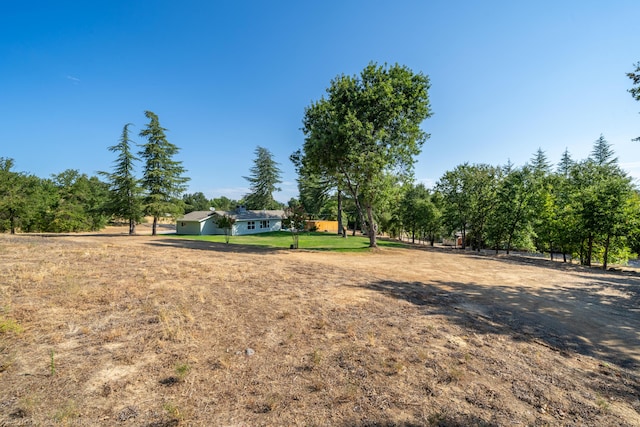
(108, 330)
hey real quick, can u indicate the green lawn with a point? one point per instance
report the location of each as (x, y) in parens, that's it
(308, 240)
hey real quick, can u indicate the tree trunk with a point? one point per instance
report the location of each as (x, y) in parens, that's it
(132, 226)
(372, 228)
(606, 252)
(155, 226)
(361, 217)
(551, 250)
(340, 230)
(12, 219)
(354, 193)
(589, 250)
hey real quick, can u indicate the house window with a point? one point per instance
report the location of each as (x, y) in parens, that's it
(251, 225)
(264, 223)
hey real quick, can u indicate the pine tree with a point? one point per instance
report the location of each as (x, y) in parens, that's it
(265, 175)
(635, 90)
(162, 178)
(602, 153)
(539, 163)
(565, 165)
(124, 188)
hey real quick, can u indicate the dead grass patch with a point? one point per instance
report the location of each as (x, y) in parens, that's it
(145, 333)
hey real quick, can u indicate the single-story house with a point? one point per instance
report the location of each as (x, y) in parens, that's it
(247, 222)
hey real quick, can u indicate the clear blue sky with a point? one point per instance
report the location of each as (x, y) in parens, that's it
(224, 77)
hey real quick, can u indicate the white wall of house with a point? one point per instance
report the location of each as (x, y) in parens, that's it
(256, 226)
(208, 226)
(188, 227)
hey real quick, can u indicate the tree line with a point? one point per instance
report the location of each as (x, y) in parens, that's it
(360, 143)
(588, 210)
(72, 202)
(356, 166)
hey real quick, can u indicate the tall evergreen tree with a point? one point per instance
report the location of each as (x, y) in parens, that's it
(635, 90)
(265, 176)
(124, 188)
(602, 153)
(317, 192)
(540, 166)
(602, 192)
(565, 164)
(541, 200)
(564, 227)
(162, 177)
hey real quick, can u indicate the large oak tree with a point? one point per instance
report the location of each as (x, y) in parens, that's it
(365, 128)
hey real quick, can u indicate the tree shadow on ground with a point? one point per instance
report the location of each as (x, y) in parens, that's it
(606, 327)
(567, 319)
(516, 258)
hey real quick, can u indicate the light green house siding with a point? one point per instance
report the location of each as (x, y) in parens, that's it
(247, 222)
(256, 226)
(188, 227)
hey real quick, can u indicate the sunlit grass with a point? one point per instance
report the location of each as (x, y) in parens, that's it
(308, 240)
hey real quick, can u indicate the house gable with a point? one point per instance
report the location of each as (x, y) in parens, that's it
(195, 223)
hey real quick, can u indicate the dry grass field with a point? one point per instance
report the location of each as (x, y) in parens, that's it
(111, 330)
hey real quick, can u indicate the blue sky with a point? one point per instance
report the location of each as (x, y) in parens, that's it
(225, 77)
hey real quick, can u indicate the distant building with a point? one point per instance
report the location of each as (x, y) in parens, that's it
(247, 222)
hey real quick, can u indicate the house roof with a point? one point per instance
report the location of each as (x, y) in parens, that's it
(249, 215)
(196, 216)
(238, 215)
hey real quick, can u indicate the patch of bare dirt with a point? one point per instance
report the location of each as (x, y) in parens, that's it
(156, 331)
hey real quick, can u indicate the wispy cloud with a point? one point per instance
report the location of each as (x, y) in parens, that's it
(73, 79)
